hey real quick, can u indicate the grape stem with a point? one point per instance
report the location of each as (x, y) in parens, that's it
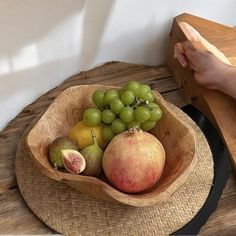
(139, 102)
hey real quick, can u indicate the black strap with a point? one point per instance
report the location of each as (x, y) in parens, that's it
(222, 169)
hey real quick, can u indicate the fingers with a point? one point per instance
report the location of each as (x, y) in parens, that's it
(191, 53)
(179, 53)
(192, 59)
(188, 46)
(187, 54)
(197, 77)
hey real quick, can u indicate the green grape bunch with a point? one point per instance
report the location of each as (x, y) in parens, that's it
(118, 110)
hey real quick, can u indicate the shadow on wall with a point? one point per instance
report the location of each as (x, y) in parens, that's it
(26, 80)
(61, 68)
(149, 46)
(27, 69)
(29, 22)
(95, 20)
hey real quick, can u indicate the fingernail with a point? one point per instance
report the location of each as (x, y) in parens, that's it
(175, 54)
(182, 62)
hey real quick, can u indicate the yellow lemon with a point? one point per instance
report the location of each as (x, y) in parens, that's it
(82, 134)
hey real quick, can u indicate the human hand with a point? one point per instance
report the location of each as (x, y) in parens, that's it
(209, 71)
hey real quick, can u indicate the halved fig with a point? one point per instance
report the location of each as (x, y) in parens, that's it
(73, 161)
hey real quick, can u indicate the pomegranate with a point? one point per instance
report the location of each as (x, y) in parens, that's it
(134, 161)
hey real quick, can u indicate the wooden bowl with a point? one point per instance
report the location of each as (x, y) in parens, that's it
(67, 109)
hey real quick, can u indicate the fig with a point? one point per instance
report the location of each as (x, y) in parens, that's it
(93, 157)
(73, 161)
(55, 148)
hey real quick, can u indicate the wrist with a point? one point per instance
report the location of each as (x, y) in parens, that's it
(228, 75)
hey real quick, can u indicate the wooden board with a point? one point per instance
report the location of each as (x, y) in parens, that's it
(17, 218)
(217, 106)
(13, 208)
(222, 36)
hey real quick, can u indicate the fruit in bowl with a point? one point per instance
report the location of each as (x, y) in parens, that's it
(134, 161)
(119, 112)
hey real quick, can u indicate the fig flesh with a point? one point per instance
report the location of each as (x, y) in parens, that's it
(73, 161)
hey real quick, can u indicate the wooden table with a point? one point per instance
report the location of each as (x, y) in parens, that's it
(16, 217)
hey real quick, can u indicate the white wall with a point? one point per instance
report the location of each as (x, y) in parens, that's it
(42, 42)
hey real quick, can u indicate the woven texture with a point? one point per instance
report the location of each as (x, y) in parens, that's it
(73, 213)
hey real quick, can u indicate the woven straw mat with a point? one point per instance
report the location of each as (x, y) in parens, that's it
(72, 213)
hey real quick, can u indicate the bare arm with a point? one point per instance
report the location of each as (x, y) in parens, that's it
(209, 71)
(228, 84)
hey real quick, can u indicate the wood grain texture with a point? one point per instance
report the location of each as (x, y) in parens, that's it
(222, 36)
(175, 97)
(17, 218)
(67, 110)
(218, 107)
(9, 137)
